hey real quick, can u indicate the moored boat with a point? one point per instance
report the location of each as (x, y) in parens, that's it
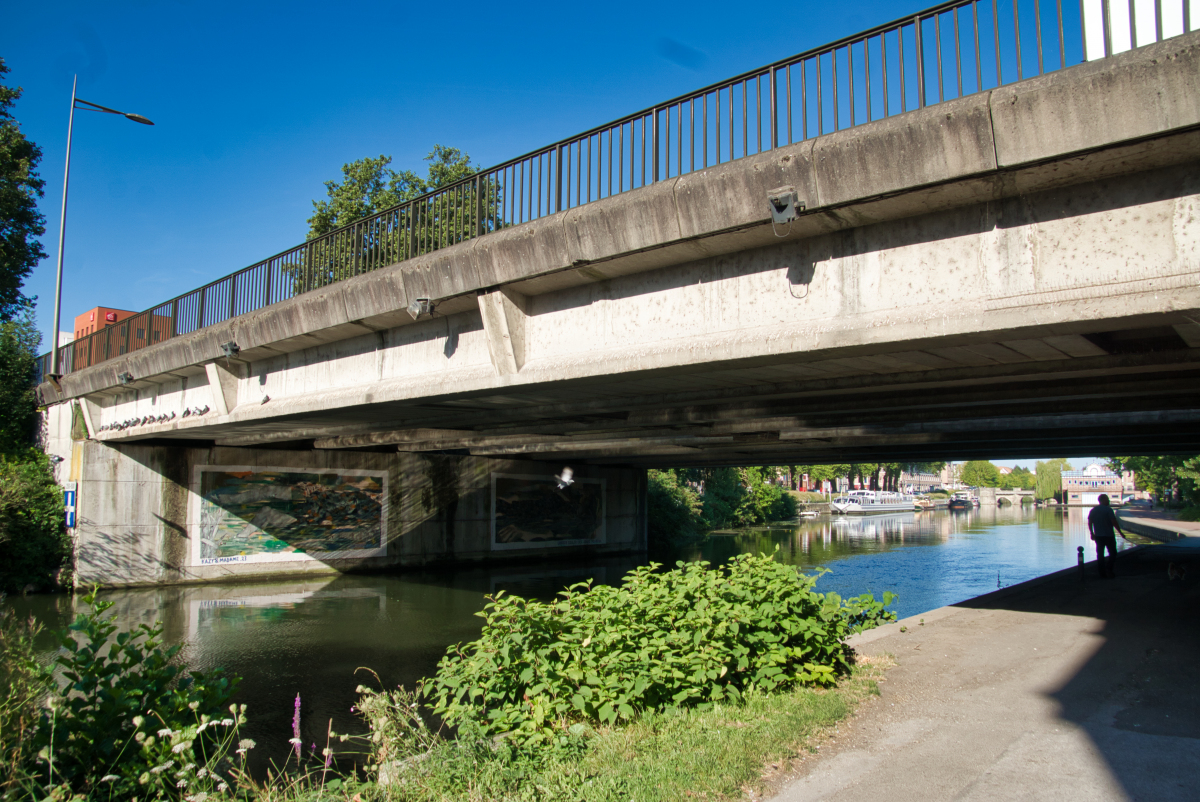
(962, 501)
(869, 502)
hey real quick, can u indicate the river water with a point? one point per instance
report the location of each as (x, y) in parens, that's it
(310, 637)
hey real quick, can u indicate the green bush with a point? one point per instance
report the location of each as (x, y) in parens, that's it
(33, 538)
(664, 640)
(673, 510)
(129, 724)
(763, 500)
(25, 682)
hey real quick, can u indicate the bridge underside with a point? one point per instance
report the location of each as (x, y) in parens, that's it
(1119, 391)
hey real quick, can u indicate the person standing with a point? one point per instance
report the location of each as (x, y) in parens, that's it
(1101, 521)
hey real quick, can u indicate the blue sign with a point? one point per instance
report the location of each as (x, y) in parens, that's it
(70, 489)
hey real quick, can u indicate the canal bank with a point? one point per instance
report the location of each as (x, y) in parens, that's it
(1055, 688)
(1158, 525)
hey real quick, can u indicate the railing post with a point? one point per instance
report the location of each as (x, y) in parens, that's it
(200, 308)
(558, 178)
(920, 63)
(174, 318)
(267, 284)
(232, 295)
(774, 111)
(479, 222)
(655, 149)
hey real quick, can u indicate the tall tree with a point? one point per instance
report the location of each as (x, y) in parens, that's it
(369, 186)
(980, 473)
(20, 221)
(1049, 478)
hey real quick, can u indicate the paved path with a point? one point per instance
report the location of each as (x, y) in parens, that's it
(1055, 689)
(1159, 525)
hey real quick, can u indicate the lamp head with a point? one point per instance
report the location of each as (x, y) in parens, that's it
(137, 118)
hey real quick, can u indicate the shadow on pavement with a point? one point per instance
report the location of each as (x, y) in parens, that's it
(1138, 695)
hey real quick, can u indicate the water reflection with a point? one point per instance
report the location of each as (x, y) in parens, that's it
(309, 636)
(976, 551)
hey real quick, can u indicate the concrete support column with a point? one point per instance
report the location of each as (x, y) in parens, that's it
(223, 379)
(503, 313)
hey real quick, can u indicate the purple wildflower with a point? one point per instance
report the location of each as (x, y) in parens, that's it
(296, 726)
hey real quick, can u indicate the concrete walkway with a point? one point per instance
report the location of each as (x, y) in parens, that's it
(1055, 689)
(1159, 525)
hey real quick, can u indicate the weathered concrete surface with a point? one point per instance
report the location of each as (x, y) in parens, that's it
(1049, 690)
(1132, 112)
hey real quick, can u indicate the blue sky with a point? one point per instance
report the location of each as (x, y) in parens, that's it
(257, 104)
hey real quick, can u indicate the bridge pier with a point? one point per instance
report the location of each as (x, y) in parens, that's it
(166, 513)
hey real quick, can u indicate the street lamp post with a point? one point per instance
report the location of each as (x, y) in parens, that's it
(62, 228)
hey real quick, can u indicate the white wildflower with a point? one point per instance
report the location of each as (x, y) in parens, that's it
(200, 797)
(181, 747)
(159, 769)
(165, 732)
(226, 722)
(181, 784)
(193, 706)
(246, 743)
(294, 741)
(138, 721)
(107, 778)
(223, 787)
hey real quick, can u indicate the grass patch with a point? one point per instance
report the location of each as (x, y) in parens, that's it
(1191, 513)
(715, 754)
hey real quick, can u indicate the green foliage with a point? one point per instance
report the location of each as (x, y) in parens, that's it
(723, 494)
(25, 682)
(664, 640)
(1049, 478)
(33, 539)
(673, 509)
(763, 500)
(1018, 479)
(980, 473)
(1174, 479)
(20, 221)
(370, 185)
(424, 224)
(716, 753)
(129, 724)
(19, 342)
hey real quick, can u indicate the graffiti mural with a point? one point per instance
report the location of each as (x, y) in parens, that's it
(534, 512)
(276, 514)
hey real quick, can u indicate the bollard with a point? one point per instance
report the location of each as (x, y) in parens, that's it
(1081, 575)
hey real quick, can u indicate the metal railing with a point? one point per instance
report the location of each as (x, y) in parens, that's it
(948, 51)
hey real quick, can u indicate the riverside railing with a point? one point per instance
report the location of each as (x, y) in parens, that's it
(948, 51)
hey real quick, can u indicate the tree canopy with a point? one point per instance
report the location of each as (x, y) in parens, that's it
(1049, 478)
(369, 186)
(20, 221)
(980, 473)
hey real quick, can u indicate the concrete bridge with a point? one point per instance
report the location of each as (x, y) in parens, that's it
(1009, 273)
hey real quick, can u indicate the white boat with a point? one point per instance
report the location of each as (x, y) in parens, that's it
(871, 502)
(809, 513)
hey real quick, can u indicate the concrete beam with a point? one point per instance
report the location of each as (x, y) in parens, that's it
(504, 313)
(223, 379)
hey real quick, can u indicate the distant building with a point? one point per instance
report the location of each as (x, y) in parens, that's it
(919, 482)
(1083, 488)
(951, 475)
(99, 318)
(1004, 471)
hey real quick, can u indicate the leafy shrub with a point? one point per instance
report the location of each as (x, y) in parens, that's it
(673, 510)
(33, 538)
(687, 637)
(763, 500)
(128, 724)
(25, 682)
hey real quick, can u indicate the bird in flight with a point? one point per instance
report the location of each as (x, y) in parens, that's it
(564, 479)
